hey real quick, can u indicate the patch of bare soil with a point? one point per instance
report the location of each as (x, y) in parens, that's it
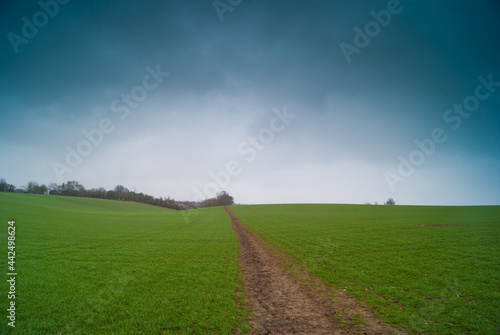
(286, 299)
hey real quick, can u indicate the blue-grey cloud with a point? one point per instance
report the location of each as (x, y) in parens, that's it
(354, 119)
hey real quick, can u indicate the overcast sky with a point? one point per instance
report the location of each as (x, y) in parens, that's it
(273, 101)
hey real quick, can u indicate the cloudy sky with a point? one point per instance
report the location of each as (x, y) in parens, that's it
(274, 101)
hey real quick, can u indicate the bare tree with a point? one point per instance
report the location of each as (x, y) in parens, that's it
(390, 202)
(31, 188)
(72, 188)
(121, 189)
(41, 189)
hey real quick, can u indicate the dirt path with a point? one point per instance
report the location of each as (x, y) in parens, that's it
(294, 301)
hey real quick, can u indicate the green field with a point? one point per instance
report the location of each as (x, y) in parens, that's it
(432, 270)
(89, 266)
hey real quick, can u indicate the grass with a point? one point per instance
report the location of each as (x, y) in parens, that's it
(91, 266)
(432, 270)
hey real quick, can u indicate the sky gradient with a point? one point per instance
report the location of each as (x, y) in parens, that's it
(273, 101)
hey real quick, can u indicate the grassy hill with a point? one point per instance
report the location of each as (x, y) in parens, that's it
(91, 266)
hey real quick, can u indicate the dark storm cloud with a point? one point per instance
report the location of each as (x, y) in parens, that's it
(232, 73)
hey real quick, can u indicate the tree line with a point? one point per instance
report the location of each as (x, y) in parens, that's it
(75, 189)
(222, 199)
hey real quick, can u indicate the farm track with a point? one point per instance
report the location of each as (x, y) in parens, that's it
(294, 301)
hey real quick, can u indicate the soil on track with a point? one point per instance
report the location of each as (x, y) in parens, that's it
(294, 301)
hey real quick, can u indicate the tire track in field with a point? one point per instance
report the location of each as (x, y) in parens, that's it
(298, 304)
